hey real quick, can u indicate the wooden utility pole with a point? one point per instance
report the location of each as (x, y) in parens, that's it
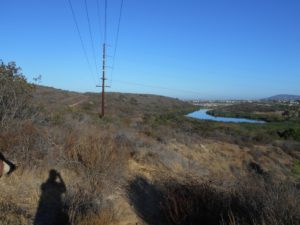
(103, 80)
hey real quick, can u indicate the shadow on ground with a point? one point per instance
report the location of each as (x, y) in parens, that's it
(180, 204)
(146, 199)
(51, 210)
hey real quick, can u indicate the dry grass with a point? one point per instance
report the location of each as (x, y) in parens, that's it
(103, 218)
(12, 214)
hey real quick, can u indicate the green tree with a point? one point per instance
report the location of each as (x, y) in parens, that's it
(15, 93)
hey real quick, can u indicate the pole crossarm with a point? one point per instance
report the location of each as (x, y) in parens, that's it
(101, 86)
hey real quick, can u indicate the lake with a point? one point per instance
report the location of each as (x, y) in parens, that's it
(202, 115)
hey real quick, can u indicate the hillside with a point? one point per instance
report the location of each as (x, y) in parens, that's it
(283, 97)
(141, 162)
(119, 107)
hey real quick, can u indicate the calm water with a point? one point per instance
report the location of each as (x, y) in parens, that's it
(202, 115)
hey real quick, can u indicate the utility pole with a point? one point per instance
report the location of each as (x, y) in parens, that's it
(103, 65)
(103, 80)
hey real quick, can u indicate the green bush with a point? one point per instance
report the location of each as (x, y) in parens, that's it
(15, 93)
(296, 170)
(290, 134)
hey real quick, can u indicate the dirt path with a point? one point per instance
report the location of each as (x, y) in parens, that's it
(79, 102)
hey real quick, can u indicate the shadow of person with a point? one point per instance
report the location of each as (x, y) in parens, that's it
(51, 210)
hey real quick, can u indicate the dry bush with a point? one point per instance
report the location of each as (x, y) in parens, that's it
(84, 209)
(102, 158)
(80, 204)
(250, 202)
(100, 161)
(290, 147)
(26, 143)
(203, 204)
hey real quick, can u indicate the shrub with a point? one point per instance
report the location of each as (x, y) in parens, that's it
(15, 93)
(296, 170)
(102, 158)
(250, 202)
(26, 143)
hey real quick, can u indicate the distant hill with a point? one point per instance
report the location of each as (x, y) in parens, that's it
(117, 104)
(283, 98)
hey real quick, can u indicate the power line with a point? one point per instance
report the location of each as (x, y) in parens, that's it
(181, 90)
(105, 20)
(91, 36)
(99, 18)
(117, 39)
(103, 63)
(81, 40)
(157, 87)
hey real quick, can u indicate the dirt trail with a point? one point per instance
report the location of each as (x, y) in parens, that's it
(79, 102)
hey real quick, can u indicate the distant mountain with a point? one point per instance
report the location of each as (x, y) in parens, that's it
(283, 98)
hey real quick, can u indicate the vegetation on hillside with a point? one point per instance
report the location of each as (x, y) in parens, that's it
(268, 111)
(283, 119)
(143, 163)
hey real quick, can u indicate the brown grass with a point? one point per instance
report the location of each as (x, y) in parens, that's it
(12, 214)
(105, 218)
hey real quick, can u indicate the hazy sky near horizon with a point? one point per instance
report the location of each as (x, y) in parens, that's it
(208, 49)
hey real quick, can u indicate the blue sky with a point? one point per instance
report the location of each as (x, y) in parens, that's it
(208, 49)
